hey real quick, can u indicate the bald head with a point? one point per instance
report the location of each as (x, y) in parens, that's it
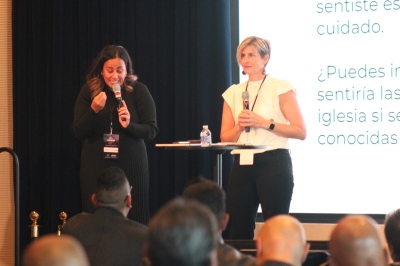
(53, 250)
(282, 238)
(356, 241)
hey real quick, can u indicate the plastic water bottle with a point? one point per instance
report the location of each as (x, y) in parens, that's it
(205, 137)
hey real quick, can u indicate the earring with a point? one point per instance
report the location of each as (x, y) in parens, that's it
(263, 72)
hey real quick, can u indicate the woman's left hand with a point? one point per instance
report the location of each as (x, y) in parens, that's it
(248, 118)
(124, 115)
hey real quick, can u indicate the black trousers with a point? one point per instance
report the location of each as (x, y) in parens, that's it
(269, 182)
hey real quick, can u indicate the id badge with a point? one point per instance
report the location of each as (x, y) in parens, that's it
(111, 146)
(246, 157)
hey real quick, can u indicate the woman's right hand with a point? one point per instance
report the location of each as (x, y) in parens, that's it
(99, 102)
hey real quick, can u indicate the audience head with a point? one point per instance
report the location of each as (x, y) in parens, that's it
(113, 190)
(282, 238)
(54, 250)
(356, 240)
(392, 234)
(182, 233)
(210, 194)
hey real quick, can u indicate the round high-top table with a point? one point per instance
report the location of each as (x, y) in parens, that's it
(217, 149)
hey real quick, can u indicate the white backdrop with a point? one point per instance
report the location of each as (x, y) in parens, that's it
(344, 61)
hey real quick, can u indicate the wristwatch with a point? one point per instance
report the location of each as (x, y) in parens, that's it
(271, 125)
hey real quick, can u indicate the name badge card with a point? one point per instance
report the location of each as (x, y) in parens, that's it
(246, 157)
(111, 146)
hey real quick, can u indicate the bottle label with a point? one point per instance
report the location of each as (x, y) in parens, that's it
(205, 137)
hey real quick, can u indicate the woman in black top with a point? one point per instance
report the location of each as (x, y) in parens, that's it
(113, 126)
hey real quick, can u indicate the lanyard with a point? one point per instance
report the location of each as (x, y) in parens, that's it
(257, 92)
(111, 116)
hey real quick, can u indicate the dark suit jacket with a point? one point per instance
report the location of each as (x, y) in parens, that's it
(108, 237)
(230, 256)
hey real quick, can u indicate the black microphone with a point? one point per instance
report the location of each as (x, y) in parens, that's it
(246, 99)
(117, 92)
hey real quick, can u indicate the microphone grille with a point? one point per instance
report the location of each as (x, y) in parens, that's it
(116, 88)
(245, 95)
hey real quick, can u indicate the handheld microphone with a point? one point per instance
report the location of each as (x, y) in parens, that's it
(246, 99)
(117, 92)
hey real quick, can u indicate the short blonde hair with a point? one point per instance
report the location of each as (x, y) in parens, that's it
(263, 46)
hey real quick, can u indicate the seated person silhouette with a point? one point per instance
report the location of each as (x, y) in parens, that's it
(107, 235)
(55, 250)
(281, 241)
(356, 241)
(211, 195)
(182, 233)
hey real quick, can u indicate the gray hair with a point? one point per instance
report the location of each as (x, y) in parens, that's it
(182, 233)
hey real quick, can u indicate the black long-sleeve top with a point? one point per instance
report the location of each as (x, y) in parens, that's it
(89, 127)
